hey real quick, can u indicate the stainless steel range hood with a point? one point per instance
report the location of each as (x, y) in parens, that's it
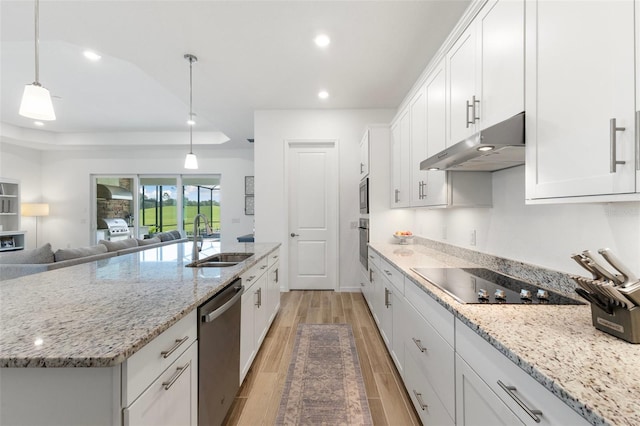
(498, 147)
(112, 192)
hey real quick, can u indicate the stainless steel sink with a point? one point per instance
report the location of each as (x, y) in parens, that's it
(220, 260)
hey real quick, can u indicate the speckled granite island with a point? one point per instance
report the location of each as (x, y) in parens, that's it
(89, 319)
(595, 374)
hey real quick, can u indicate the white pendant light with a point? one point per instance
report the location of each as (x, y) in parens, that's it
(36, 100)
(191, 161)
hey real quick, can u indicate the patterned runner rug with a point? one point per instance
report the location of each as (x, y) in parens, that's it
(324, 383)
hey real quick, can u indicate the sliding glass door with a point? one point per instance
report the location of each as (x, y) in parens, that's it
(201, 195)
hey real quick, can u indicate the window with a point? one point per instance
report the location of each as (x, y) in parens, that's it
(158, 204)
(201, 195)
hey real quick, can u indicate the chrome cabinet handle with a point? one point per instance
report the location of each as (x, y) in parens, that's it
(419, 344)
(475, 102)
(469, 106)
(370, 275)
(613, 129)
(397, 195)
(418, 396)
(277, 275)
(293, 234)
(172, 349)
(179, 371)
(361, 167)
(251, 278)
(386, 297)
(510, 390)
(263, 266)
(258, 292)
(388, 273)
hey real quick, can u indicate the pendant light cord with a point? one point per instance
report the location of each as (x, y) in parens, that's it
(191, 104)
(37, 42)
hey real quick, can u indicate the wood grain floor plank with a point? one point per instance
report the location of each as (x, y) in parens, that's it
(259, 397)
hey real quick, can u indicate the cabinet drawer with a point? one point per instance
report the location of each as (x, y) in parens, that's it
(494, 367)
(273, 258)
(172, 398)
(396, 277)
(252, 274)
(423, 396)
(374, 258)
(433, 355)
(441, 319)
(148, 363)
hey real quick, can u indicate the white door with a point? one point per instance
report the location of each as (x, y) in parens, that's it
(313, 215)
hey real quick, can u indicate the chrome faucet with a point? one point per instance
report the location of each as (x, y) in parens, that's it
(195, 253)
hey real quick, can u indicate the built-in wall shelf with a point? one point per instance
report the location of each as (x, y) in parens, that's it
(11, 237)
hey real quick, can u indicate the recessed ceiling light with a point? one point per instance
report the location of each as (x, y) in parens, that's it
(92, 56)
(322, 40)
(323, 94)
(38, 123)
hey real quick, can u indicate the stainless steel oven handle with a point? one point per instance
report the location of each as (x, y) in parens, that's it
(222, 309)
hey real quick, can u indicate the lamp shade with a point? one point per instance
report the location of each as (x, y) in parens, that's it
(34, 209)
(191, 161)
(36, 103)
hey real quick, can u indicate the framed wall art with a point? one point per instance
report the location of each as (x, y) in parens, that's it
(248, 205)
(248, 185)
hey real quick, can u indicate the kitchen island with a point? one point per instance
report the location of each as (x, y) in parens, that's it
(86, 322)
(590, 371)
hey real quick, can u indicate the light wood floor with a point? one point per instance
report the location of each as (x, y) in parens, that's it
(259, 397)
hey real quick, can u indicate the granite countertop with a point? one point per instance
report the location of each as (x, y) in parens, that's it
(100, 313)
(594, 373)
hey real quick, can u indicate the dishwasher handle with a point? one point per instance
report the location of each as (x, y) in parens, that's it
(211, 316)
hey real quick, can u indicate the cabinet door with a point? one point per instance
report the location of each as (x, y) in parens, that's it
(273, 296)
(172, 398)
(418, 131)
(580, 75)
(435, 191)
(400, 159)
(364, 156)
(386, 313)
(398, 327)
(461, 86)
(476, 404)
(261, 319)
(247, 332)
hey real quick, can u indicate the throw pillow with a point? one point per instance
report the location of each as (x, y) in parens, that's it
(75, 253)
(149, 241)
(176, 234)
(165, 236)
(119, 245)
(42, 254)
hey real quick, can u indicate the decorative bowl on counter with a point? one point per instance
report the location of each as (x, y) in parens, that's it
(404, 239)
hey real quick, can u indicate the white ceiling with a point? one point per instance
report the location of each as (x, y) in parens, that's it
(252, 55)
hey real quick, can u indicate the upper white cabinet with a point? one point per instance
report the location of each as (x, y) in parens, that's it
(580, 99)
(364, 155)
(485, 70)
(400, 159)
(418, 138)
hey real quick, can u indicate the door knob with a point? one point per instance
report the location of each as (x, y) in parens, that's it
(294, 235)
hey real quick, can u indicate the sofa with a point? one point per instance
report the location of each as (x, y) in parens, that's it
(26, 262)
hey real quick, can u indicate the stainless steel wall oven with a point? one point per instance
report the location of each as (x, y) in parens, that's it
(364, 241)
(364, 196)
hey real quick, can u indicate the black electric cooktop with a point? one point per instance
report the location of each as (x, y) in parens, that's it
(483, 286)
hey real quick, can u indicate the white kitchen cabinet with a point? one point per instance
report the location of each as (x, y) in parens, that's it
(499, 380)
(477, 404)
(419, 152)
(364, 155)
(400, 160)
(172, 399)
(580, 77)
(485, 69)
(259, 302)
(11, 237)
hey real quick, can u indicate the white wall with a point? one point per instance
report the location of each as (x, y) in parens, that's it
(272, 128)
(62, 179)
(544, 235)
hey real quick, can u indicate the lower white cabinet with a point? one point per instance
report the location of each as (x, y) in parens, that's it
(260, 302)
(172, 399)
(477, 404)
(530, 402)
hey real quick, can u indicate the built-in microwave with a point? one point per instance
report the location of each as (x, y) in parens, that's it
(364, 196)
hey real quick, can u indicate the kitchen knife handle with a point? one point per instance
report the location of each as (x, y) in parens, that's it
(617, 264)
(613, 129)
(510, 390)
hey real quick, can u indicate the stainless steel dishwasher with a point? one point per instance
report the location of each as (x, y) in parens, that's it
(219, 354)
